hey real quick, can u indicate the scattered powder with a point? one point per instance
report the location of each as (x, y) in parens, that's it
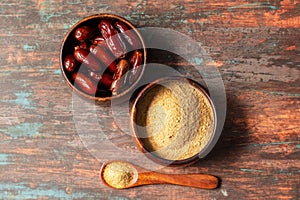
(175, 121)
(118, 174)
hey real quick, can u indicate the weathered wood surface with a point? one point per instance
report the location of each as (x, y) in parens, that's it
(256, 46)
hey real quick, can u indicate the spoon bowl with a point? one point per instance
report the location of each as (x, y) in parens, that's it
(121, 175)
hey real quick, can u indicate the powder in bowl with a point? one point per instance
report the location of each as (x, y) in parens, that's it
(119, 174)
(174, 119)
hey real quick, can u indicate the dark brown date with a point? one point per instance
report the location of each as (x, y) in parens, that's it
(84, 83)
(70, 63)
(103, 93)
(84, 33)
(85, 57)
(128, 35)
(113, 39)
(83, 45)
(135, 60)
(94, 75)
(105, 79)
(102, 53)
(98, 40)
(122, 67)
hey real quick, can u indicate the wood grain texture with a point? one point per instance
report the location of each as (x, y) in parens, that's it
(255, 45)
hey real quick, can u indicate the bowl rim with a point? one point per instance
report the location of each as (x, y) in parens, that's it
(104, 16)
(139, 142)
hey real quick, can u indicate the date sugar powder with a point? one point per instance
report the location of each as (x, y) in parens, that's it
(175, 120)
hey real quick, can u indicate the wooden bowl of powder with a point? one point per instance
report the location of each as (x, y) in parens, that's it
(173, 121)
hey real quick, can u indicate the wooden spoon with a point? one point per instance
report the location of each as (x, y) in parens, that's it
(114, 173)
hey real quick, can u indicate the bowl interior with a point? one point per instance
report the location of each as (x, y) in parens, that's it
(140, 124)
(69, 42)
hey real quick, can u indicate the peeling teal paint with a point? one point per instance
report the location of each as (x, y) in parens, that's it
(184, 21)
(23, 130)
(46, 16)
(273, 7)
(198, 61)
(285, 94)
(71, 22)
(4, 159)
(57, 71)
(74, 2)
(50, 63)
(273, 143)
(281, 93)
(255, 5)
(128, 17)
(233, 62)
(251, 170)
(22, 100)
(27, 47)
(48, 11)
(298, 146)
(22, 191)
(67, 26)
(118, 198)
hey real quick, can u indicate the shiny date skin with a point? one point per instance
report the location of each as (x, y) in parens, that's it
(101, 52)
(113, 39)
(85, 84)
(83, 45)
(103, 80)
(122, 67)
(106, 80)
(70, 63)
(84, 33)
(85, 57)
(128, 35)
(135, 60)
(98, 40)
(94, 75)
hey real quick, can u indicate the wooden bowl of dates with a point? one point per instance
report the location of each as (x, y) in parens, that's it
(102, 57)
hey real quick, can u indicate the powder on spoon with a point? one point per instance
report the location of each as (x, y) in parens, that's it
(118, 174)
(175, 120)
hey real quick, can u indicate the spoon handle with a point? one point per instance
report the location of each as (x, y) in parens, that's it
(204, 181)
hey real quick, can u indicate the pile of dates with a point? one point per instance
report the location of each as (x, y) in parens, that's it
(101, 56)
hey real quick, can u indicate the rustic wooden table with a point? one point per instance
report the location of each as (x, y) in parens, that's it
(254, 44)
